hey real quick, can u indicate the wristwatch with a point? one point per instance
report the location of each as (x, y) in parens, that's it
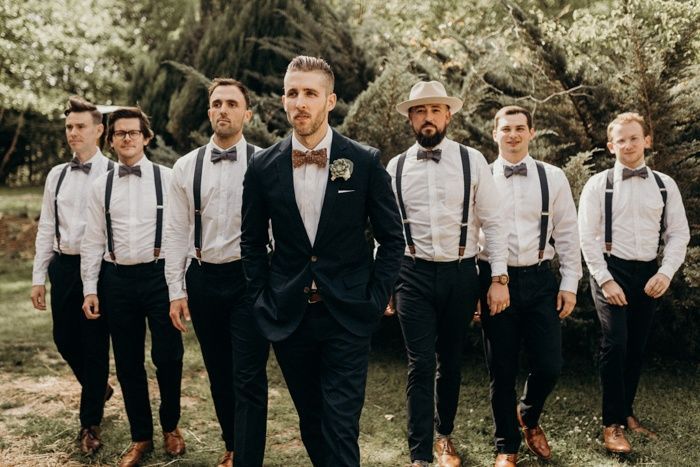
(502, 279)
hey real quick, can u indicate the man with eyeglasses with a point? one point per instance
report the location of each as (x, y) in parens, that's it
(82, 343)
(205, 275)
(125, 215)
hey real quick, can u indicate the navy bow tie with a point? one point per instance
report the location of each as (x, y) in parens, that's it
(229, 155)
(430, 154)
(75, 164)
(520, 169)
(128, 170)
(629, 173)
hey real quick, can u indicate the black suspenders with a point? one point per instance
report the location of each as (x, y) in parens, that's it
(110, 166)
(608, 208)
(159, 212)
(466, 172)
(197, 195)
(544, 217)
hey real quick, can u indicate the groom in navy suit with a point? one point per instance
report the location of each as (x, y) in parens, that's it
(322, 293)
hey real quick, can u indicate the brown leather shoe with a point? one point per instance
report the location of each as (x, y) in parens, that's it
(506, 460)
(535, 440)
(109, 392)
(634, 425)
(89, 439)
(136, 451)
(227, 460)
(173, 442)
(445, 453)
(615, 441)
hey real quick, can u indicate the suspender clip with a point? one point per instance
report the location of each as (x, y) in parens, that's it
(114, 259)
(198, 253)
(156, 253)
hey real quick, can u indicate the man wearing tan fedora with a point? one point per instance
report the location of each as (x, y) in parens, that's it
(445, 193)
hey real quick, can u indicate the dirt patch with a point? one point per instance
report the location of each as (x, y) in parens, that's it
(17, 235)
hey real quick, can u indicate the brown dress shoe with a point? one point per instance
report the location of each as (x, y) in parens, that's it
(535, 440)
(173, 442)
(445, 453)
(227, 460)
(89, 439)
(615, 441)
(634, 425)
(136, 451)
(506, 460)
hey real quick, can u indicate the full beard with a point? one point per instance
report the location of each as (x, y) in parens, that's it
(430, 141)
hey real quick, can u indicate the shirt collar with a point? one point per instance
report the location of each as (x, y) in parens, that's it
(619, 166)
(528, 160)
(325, 143)
(240, 145)
(440, 146)
(94, 158)
(143, 162)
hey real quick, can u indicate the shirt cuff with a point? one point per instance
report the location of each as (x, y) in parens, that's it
(568, 285)
(176, 291)
(498, 268)
(603, 277)
(667, 271)
(89, 288)
(38, 279)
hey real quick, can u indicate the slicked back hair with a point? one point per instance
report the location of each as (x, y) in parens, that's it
(628, 117)
(216, 82)
(78, 104)
(513, 110)
(306, 63)
(129, 112)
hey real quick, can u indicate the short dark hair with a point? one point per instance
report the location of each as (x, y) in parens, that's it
(78, 104)
(513, 110)
(628, 117)
(306, 63)
(129, 112)
(216, 82)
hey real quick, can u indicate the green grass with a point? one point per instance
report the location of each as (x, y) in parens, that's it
(22, 202)
(38, 407)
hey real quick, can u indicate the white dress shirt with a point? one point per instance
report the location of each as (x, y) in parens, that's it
(636, 215)
(522, 210)
(133, 210)
(72, 202)
(433, 194)
(221, 192)
(310, 183)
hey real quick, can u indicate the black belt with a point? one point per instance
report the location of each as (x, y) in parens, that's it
(516, 270)
(231, 266)
(428, 262)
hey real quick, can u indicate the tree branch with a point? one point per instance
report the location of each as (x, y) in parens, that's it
(13, 146)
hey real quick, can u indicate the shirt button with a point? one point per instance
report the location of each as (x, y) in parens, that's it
(314, 259)
(307, 290)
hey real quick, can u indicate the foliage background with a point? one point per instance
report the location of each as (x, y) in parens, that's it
(574, 63)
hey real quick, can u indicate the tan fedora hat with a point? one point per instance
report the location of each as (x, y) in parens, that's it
(429, 92)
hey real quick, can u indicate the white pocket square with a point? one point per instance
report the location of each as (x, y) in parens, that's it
(345, 191)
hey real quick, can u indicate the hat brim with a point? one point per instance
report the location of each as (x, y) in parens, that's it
(453, 103)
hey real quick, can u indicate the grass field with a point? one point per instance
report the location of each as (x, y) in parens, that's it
(39, 400)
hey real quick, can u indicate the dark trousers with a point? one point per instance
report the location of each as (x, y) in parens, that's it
(83, 343)
(531, 319)
(625, 332)
(325, 368)
(435, 302)
(130, 296)
(235, 355)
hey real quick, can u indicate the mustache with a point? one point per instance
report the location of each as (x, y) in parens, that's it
(302, 114)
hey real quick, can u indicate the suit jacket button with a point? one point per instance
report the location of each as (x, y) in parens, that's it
(314, 259)
(307, 290)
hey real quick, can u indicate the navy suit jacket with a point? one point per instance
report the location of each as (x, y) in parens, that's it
(355, 287)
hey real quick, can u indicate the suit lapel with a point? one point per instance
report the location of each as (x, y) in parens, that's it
(286, 185)
(338, 145)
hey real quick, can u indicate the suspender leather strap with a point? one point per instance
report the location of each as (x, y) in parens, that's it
(608, 208)
(55, 207)
(544, 218)
(197, 195)
(108, 216)
(159, 210)
(466, 172)
(402, 207)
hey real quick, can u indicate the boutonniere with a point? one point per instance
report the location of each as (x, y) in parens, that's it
(341, 168)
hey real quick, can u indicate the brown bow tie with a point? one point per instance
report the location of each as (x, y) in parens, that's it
(316, 156)
(629, 173)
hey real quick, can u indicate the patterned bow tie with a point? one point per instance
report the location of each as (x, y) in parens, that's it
(432, 154)
(316, 156)
(230, 155)
(75, 164)
(128, 170)
(520, 169)
(629, 173)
